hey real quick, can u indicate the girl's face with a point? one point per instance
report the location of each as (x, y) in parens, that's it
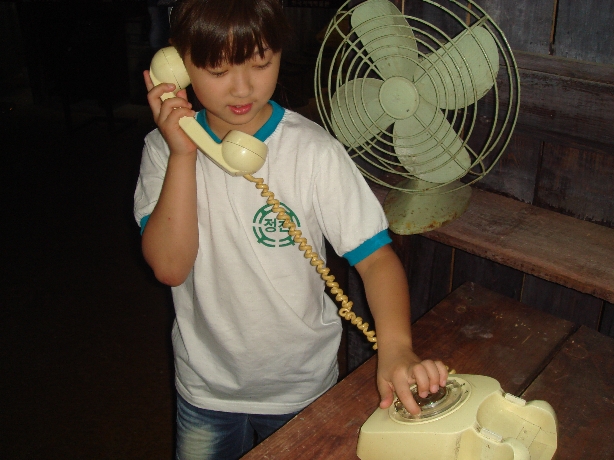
(236, 96)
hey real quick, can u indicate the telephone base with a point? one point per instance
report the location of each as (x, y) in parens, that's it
(482, 422)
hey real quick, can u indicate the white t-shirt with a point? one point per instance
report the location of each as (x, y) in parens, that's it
(254, 330)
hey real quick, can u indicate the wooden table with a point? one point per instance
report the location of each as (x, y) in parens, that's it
(475, 331)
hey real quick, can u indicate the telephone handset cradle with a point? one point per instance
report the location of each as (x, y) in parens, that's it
(239, 153)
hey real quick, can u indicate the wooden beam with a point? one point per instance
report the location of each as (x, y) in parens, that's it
(543, 243)
(565, 96)
(565, 67)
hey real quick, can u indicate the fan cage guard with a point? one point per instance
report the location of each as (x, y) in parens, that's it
(497, 111)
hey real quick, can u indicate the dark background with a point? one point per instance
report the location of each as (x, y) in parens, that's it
(85, 349)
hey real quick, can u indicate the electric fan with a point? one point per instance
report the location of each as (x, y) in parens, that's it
(425, 105)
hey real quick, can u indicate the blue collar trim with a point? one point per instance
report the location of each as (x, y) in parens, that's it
(262, 134)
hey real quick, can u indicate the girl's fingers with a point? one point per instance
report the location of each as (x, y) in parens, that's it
(174, 116)
(433, 375)
(386, 393)
(148, 83)
(156, 92)
(421, 377)
(443, 373)
(173, 108)
(406, 397)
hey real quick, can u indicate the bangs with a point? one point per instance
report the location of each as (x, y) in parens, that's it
(214, 32)
(234, 46)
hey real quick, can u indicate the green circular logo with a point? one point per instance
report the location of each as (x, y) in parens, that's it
(269, 229)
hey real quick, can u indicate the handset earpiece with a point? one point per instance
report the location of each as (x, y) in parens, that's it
(239, 153)
(168, 67)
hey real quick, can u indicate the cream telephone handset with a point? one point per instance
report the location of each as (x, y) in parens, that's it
(242, 155)
(239, 154)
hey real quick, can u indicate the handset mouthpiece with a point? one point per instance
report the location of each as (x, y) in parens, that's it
(238, 154)
(243, 152)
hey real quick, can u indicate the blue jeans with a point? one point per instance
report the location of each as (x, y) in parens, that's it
(211, 435)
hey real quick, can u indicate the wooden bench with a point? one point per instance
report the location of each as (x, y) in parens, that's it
(551, 261)
(532, 354)
(543, 243)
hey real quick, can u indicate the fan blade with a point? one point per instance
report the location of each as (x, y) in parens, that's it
(428, 147)
(356, 113)
(387, 38)
(461, 72)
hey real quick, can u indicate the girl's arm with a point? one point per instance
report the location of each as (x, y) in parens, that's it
(398, 367)
(170, 238)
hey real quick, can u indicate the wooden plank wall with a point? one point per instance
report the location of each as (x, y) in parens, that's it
(562, 153)
(584, 30)
(561, 156)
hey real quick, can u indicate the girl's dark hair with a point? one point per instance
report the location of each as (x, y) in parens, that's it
(216, 31)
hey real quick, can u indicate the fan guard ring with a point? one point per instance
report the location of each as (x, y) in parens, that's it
(425, 106)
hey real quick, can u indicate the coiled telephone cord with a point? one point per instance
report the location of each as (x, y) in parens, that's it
(346, 305)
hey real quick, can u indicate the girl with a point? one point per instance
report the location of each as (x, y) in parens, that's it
(255, 337)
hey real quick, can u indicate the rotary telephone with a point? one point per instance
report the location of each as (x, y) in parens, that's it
(470, 418)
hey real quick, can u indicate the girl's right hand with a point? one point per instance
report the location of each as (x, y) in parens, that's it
(167, 113)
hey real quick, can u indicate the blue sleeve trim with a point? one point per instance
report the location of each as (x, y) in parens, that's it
(144, 222)
(368, 247)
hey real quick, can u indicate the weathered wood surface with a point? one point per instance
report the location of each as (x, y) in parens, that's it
(473, 330)
(565, 96)
(516, 171)
(549, 245)
(584, 30)
(570, 68)
(577, 182)
(569, 304)
(497, 277)
(565, 105)
(579, 384)
(477, 331)
(527, 24)
(429, 271)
